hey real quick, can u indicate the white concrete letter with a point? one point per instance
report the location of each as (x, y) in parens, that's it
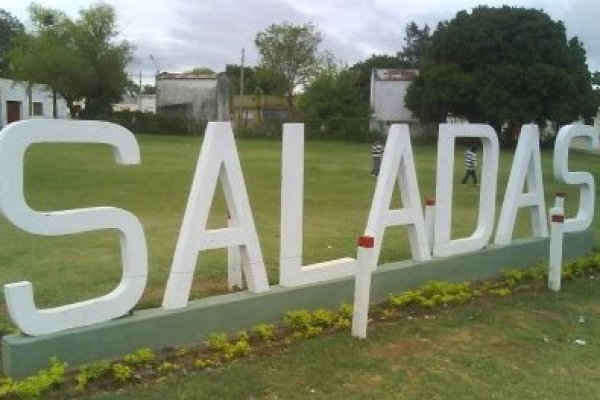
(445, 181)
(218, 160)
(585, 180)
(398, 165)
(291, 271)
(527, 165)
(14, 141)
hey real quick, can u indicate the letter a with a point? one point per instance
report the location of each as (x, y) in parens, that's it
(218, 161)
(398, 162)
(526, 165)
(443, 246)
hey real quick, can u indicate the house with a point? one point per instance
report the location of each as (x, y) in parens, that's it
(145, 103)
(388, 89)
(18, 102)
(254, 111)
(204, 97)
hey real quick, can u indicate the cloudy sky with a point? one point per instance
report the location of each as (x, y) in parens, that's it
(182, 34)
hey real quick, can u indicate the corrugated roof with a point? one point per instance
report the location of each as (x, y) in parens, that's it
(174, 75)
(396, 74)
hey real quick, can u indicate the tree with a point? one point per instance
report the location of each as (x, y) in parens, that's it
(10, 27)
(596, 78)
(94, 36)
(500, 65)
(200, 71)
(78, 59)
(417, 41)
(332, 104)
(47, 55)
(291, 51)
(257, 80)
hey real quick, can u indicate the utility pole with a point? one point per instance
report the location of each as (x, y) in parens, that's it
(241, 91)
(140, 94)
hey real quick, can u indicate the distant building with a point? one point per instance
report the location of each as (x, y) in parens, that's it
(133, 103)
(388, 89)
(203, 97)
(18, 102)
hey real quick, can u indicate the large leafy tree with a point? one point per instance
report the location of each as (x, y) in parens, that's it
(292, 52)
(257, 80)
(77, 59)
(416, 43)
(47, 55)
(332, 104)
(501, 65)
(10, 27)
(94, 36)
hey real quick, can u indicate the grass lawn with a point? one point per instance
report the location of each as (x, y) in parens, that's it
(338, 192)
(518, 347)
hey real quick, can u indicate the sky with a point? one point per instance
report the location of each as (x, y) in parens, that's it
(178, 35)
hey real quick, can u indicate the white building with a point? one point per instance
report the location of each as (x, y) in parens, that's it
(17, 102)
(388, 89)
(146, 104)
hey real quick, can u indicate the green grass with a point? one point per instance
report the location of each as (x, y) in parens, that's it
(338, 192)
(517, 347)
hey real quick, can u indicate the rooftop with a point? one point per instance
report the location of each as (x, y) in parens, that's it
(396, 74)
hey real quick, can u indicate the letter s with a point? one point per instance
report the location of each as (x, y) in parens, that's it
(14, 141)
(585, 180)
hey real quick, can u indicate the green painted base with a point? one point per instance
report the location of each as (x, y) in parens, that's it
(23, 355)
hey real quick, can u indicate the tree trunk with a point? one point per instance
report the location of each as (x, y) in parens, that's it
(290, 101)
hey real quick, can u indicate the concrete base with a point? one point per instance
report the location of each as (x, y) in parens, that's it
(156, 328)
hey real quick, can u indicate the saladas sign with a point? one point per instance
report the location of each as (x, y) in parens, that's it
(219, 161)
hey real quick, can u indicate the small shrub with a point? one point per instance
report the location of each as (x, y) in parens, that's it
(346, 311)
(243, 335)
(343, 323)
(217, 341)
(91, 372)
(139, 357)
(323, 318)
(35, 386)
(122, 372)
(241, 348)
(265, 331)
(297, 320)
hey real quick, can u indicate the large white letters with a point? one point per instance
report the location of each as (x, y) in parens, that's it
(444, 183)
(527, 164)
(14, 141)
(585, 180)
(291, 271)
(398, 165)
(218, 160)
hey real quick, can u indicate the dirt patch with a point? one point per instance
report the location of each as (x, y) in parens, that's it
(402, 348)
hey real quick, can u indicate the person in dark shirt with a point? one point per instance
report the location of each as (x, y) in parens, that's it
(377, 154)
(470, 165)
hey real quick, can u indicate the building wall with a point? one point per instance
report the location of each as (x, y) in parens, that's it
(132, 103)
(17, 91)
(195, 96)
(388, 89)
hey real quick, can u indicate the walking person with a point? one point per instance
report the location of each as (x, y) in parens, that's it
(470, 165)
(377, 154)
